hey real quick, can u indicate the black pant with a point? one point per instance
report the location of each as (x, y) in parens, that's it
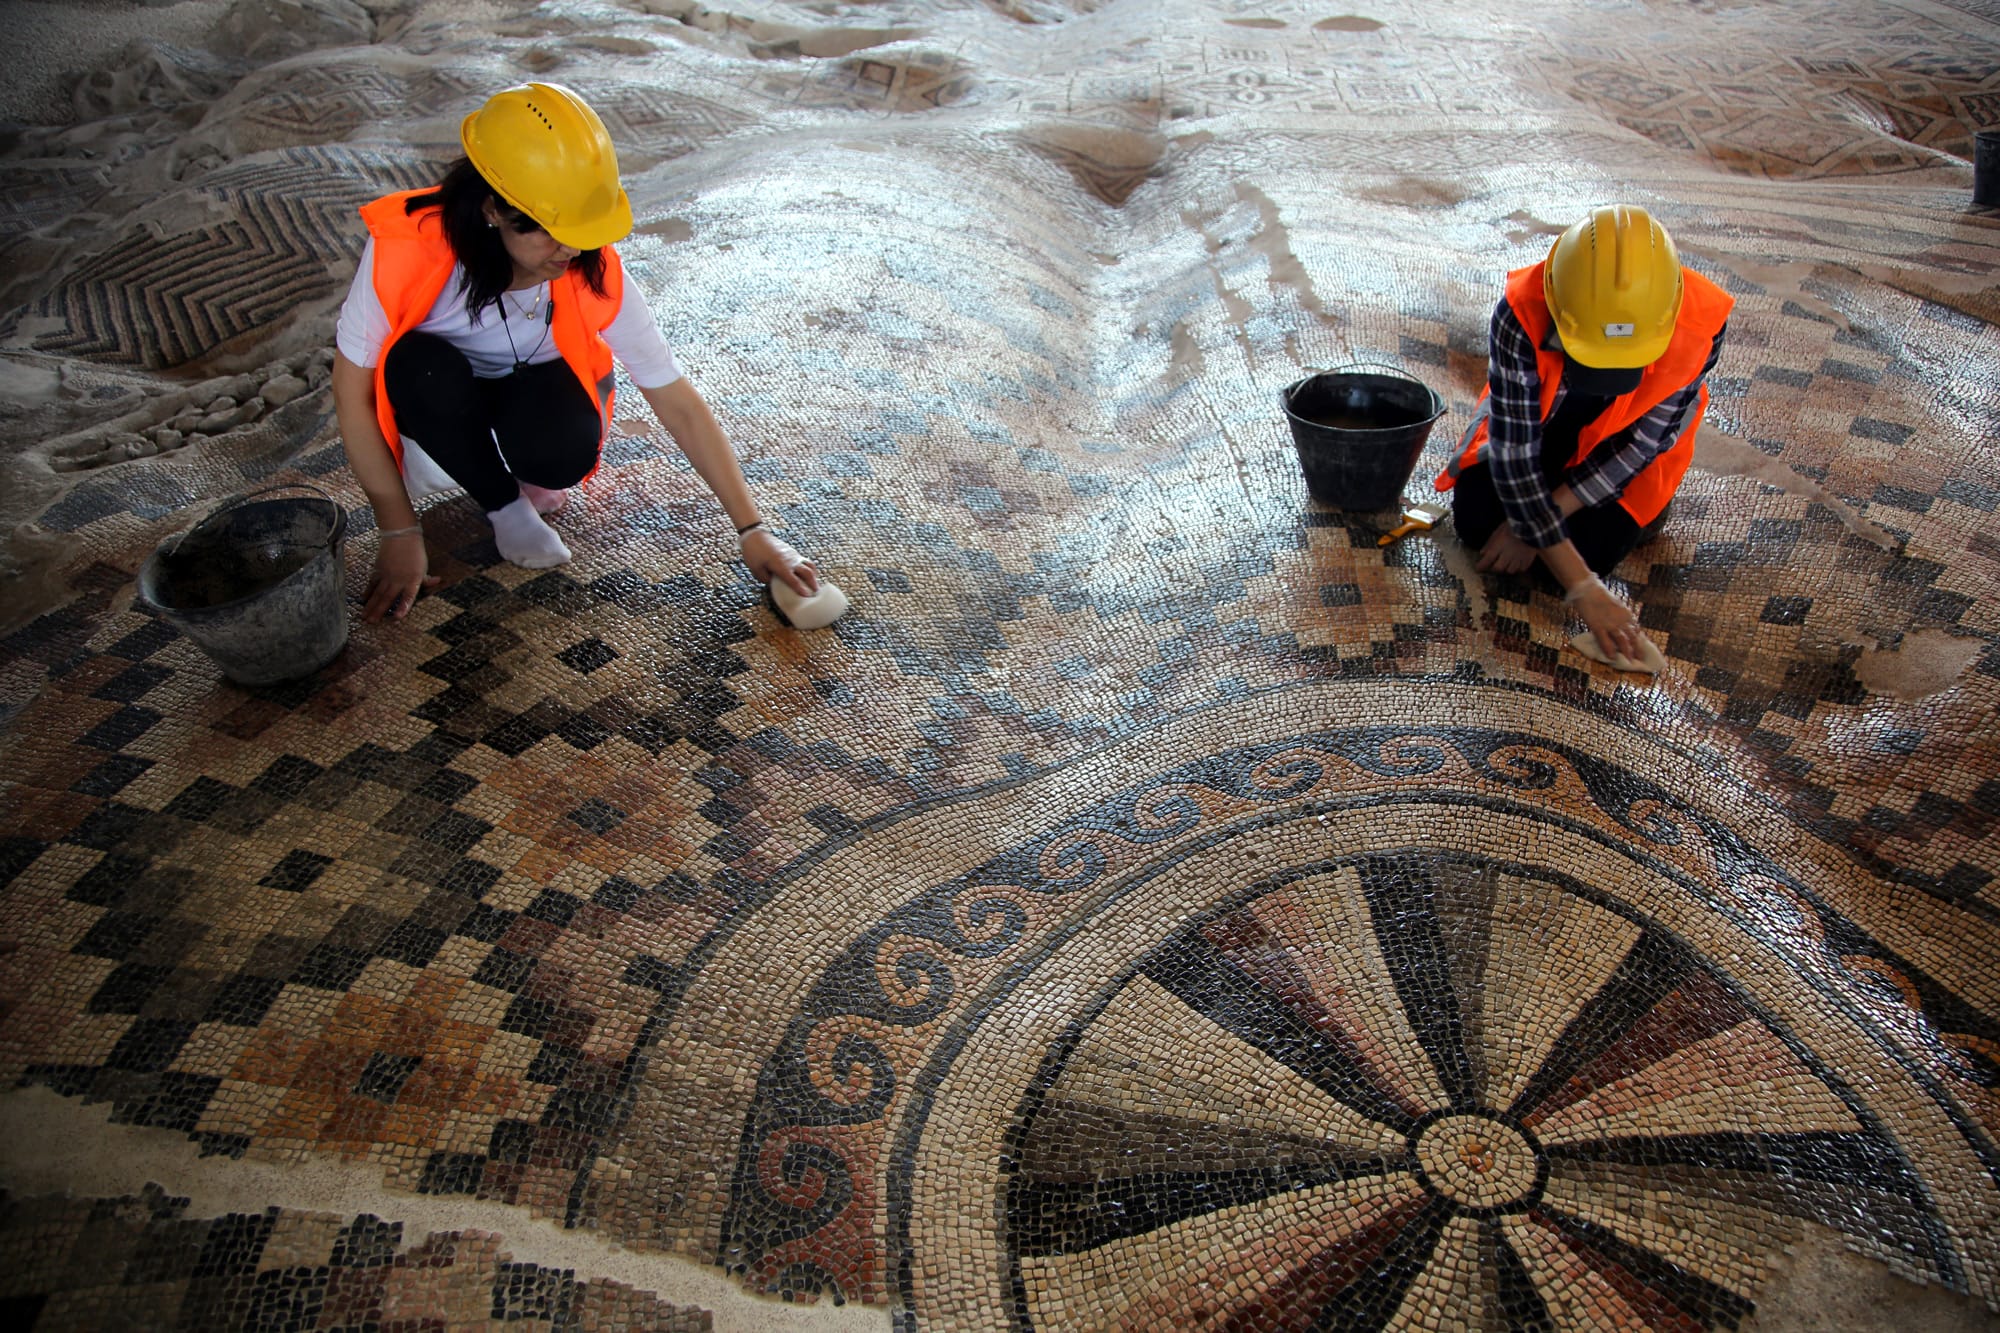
(538, 425)
(1603, 536)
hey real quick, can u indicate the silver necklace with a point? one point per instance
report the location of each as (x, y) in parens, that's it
(526, 312)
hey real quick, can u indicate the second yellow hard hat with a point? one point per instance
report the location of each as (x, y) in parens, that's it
(544, 151)
(1613, 283)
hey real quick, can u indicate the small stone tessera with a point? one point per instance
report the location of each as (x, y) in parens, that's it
(1019, 665)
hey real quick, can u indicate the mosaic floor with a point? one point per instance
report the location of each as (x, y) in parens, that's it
(1155, 905)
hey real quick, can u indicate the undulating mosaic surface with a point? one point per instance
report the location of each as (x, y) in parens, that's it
(1155, 905)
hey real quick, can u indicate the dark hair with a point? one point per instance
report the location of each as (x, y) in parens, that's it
(461, 198)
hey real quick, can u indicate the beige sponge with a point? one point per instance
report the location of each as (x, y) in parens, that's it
(815, 612)
(1651, 661)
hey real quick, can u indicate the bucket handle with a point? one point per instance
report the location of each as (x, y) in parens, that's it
(1365, 362)
(1360, 363)
(338, 535)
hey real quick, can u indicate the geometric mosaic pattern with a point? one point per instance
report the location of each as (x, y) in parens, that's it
(1155, 903)
(162, 302)
(1903, 91)
(1371, 1054)
(142, 1262)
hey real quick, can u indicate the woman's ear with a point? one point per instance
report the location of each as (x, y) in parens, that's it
(489, 212)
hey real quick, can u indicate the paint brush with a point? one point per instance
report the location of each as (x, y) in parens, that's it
(1416, 518)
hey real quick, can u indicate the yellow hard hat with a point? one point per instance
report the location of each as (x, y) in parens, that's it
(1613, 282)
(544, 151)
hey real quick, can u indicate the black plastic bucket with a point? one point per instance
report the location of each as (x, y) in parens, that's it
(257, 585)
(1359, 431)
(1986, 168)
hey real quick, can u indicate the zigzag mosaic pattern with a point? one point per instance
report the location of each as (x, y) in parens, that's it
(163, 301)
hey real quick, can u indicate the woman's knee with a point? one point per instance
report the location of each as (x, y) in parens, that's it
(558, 455)
(1475, 506)
(428, 378)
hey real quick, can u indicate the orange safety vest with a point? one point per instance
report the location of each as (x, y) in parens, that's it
(1705, 308)
(413, 262)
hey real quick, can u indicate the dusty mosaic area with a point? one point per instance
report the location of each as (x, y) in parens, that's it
(1156, 904)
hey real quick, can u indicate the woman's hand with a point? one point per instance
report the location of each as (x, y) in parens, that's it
(1615, 624)
(1504, 553)
(402, 569)
(769, 558)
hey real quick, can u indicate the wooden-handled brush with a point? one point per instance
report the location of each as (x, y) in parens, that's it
(1416, 518)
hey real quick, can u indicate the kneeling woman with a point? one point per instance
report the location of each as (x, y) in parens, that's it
(482, 325)
(1597, 378)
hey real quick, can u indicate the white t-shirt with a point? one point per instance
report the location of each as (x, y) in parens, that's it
(494, 345)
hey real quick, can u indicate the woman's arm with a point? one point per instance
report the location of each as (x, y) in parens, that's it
(1614, 624)
(402, 567)
(685, 414)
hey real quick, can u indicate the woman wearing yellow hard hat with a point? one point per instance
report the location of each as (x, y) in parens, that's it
(1598, 360)
(478, 340)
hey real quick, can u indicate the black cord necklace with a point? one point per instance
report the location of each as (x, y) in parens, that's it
(548, 323)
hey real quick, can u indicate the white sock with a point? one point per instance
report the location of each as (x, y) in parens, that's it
(547, 503)
(524, 539)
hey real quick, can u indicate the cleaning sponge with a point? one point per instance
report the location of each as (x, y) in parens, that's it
(815, 612)
(1650, 661)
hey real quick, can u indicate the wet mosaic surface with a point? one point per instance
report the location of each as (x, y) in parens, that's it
(1155, 904)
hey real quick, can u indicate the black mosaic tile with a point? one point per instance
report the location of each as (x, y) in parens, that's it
(296, 871)
(385, 1075)
(17, 854)
(552, 906)
(121, 729)
(587, 655)
(597, 816)
(112, 776)
(452, 1173)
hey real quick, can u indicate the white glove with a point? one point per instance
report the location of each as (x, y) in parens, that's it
(785, 548)
(815, 612)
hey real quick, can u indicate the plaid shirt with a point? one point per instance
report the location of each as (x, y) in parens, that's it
(1514, 436)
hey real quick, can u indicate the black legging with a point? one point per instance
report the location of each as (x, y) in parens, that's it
(1603, 535)
(546, 427)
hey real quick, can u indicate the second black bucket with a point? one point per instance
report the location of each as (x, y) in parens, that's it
(1359, 430)
(257, 585)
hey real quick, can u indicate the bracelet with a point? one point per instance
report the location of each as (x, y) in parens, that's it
(1583, 586)
(413, 529)
(749, 528)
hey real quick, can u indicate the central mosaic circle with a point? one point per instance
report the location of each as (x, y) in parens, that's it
(1477, 1160)
(1288, 1038)
(1408, 1080)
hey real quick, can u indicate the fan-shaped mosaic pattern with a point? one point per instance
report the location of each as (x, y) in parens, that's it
(1428, 1014)
(1506, 1127)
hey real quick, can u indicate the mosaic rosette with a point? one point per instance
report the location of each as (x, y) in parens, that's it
(1254, 1133)
(1364, 1025)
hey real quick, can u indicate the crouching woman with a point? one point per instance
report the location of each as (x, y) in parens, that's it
(478, 342)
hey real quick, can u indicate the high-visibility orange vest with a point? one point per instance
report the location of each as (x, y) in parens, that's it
(1705, 308)
(413, 262)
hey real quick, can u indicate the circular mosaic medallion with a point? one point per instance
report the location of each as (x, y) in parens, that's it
(1368, 1027)
(1478, 1161)
(1398, 1084)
